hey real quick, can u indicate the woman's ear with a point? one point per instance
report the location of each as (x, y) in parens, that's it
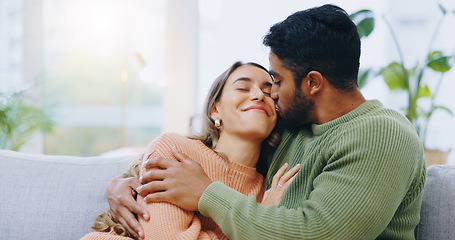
(214, 113)
(313, 82)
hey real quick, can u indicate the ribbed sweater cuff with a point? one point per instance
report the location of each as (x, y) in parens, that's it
(217, 200)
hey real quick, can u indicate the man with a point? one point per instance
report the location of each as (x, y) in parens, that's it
(362, 172)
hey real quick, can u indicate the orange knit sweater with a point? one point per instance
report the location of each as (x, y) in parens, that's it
(167, 221)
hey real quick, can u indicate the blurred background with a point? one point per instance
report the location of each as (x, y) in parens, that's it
(106, 77)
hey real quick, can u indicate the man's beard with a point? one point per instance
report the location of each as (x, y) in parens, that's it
(298, 112)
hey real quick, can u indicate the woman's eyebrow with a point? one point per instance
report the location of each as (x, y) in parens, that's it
(247, 79)
(243, 79)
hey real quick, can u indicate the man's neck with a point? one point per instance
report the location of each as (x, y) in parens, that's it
(335, 104)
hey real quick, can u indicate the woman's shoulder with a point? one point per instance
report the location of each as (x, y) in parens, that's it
(177, 138)
(179, 142)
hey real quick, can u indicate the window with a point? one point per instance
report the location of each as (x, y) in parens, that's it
(103, 67)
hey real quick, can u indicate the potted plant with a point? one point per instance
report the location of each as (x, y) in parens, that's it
(20, 118)
(420, 104)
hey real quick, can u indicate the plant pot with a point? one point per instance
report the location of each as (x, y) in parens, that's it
(436, 156)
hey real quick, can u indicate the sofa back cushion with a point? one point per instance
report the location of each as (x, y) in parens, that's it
(53, 197)
(437, 215)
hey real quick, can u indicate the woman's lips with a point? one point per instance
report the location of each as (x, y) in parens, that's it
(256, 108)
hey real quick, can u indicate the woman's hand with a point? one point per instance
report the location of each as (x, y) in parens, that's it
(120, 195)
(280, 184)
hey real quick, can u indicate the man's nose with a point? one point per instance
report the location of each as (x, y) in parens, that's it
(274, 90)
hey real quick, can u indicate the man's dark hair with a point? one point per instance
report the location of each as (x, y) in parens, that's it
(322, 39)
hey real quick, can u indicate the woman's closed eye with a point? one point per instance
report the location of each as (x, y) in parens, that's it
(243, 89)
(265, 91)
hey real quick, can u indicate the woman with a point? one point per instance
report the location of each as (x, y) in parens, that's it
(238, 120)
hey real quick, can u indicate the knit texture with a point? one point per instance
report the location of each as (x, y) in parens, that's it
(362, 177)
(104, 236)
(168, 221)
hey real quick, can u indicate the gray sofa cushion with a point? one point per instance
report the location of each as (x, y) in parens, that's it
(437, 216)
(53, 197)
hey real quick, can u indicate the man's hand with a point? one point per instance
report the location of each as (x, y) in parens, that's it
(120, 195)
(179, 182)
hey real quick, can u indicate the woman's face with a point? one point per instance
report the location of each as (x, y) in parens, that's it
(246, 108)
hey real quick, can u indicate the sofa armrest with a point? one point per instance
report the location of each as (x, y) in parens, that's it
(437, 215)
(54, 197)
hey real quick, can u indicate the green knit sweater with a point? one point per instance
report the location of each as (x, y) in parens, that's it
(362, 177)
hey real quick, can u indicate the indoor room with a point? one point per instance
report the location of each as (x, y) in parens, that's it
(94, 82)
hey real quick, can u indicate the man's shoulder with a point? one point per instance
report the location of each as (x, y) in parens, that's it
(379, 116)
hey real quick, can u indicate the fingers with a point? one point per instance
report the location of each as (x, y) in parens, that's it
(138, 210)
(280, 183)
(134, 183)
(286, 178)
(152, 187)
(152, 175)
(281, 179)
(181, 157)
(278, 174)
(131, 224)
(157, 197)
(159, 162)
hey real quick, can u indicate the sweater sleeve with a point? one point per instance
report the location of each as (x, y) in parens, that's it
(168, 221)
(104, 236)
(363, 183)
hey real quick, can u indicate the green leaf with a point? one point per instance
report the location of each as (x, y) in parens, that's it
(440, 64)
(443, 108)
(365, 27)
(395, 76)
(434, 55)
(364, 20)
(20, 119)
(423, 91)
(363, 77)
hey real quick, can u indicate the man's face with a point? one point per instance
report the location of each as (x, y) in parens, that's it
(291, 103)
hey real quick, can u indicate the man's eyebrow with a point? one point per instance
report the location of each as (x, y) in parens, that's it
(273, 73)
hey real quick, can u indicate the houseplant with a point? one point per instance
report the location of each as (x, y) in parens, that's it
(420, 104)
(20, 118)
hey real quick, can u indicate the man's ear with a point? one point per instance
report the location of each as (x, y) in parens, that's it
(313, 82)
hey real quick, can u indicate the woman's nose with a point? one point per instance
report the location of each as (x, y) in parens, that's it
(257, 95)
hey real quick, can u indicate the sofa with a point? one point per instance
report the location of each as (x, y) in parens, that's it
(58, 197)
(54, 197)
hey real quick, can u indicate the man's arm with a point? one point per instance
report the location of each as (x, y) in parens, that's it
(355, 197)
(362, 186)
